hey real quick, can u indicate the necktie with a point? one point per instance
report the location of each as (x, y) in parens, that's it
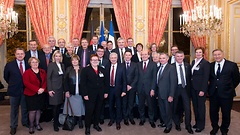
(94, 48)
(61, 50)
(145, 67)
(218, 70)
(159, 73)
(181, 76)
(84, 58)
(34, 53)
(75, 50)
(128, 65)
(122, 55)
(112, 76)
(21, 68)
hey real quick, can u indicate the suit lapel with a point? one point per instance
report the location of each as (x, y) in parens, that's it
(164, 71)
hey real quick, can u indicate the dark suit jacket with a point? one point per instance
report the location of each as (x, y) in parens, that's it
(106, 54)
(116, 50)
(105, 63)
(199, 80)
(88, 54)
(167, 82)
(226, 83)
(134, 49)
(70, 80)
(188, 77)
(13, 77)
(41, 57)
(132, 75)
(54, 80)
(92, 83)
(91, 48)
(146, 80)
(120, 79)
(135, 58)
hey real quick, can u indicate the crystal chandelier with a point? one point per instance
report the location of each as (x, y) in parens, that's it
(8, 22)
(202, 20)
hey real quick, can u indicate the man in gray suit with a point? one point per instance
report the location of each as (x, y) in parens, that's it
(167, 84)
(147, 71)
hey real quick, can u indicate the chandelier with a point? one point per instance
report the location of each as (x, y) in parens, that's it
(202, 20)
(8, 22)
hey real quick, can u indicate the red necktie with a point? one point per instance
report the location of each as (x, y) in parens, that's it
(21, 68)
(112, 76)
(145, 67)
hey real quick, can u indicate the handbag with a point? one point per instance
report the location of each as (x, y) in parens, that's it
(69, 122)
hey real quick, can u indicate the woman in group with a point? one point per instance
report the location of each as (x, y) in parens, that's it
(137, 57)
(55, 74)
(94, 82)
(153, 50)
(34, 80)
(199, 86)
(72, 90)
(68, 55)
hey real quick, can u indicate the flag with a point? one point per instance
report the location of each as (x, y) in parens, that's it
(111, 34)
(92, 32)
(102, 38)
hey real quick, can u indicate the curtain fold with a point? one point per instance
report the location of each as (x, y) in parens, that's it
(123, 13)
(78, 11)
(7, 4)
(158, 11)
(188, 5)
(40, 12)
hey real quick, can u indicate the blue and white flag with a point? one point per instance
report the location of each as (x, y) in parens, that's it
(111, 35)
(102, 38)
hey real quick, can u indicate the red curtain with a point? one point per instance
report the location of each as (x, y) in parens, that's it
(188, 5)
(78, 11)
(7, 4)
(158, 11)
(40, 12)
(123, 13)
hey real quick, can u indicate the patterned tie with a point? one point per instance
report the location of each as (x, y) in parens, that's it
(21, 68)
(181, 76)
(112, 76)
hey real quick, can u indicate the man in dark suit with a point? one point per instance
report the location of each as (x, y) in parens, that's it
(130, 45)
(102, 61)
(118, 89)
(13, 76)
(146, 85)
(76, 43)
(108, 50)
(93, 47)
(47, 52)
(120, 50)
(183, 90)
(52, 43)
(132, 78)
(84, 53)
(33, 52)
(174, 49)
(224, 78)
(167, 84)
(61, 45)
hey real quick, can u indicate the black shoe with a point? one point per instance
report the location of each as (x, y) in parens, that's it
(161, 125)
(167, 130)
(38, 127)
(126, 122)
(110, 123)
(178, 127)
(190, 131)
(26, 125)
(56, 129)
(224, 133)
(13, 131)
(87, 131)
(132, 121)
(213, 131)
(31, 130)
(118, 126)
(198, 130)
(194, 126)
(80, 124)
(141, 123)
(101, 121)
(152, 124)
(97, 128)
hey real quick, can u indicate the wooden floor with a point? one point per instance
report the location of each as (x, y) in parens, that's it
(125, 130)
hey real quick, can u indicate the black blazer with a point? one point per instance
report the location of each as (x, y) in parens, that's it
(148, 79)
(116, 50)
(106, 54)
(188, 77)
(88, 54)
(13, 77)
(120, 79)
(70, 80)
(200, 77)
(91, 48)
(135, 58)
(226, 83)
(105, 63)
(41, 57)
(92, 83)
(131, 74)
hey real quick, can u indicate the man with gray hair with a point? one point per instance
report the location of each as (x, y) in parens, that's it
(120, 50)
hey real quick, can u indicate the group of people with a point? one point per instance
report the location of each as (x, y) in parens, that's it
(87, 76)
